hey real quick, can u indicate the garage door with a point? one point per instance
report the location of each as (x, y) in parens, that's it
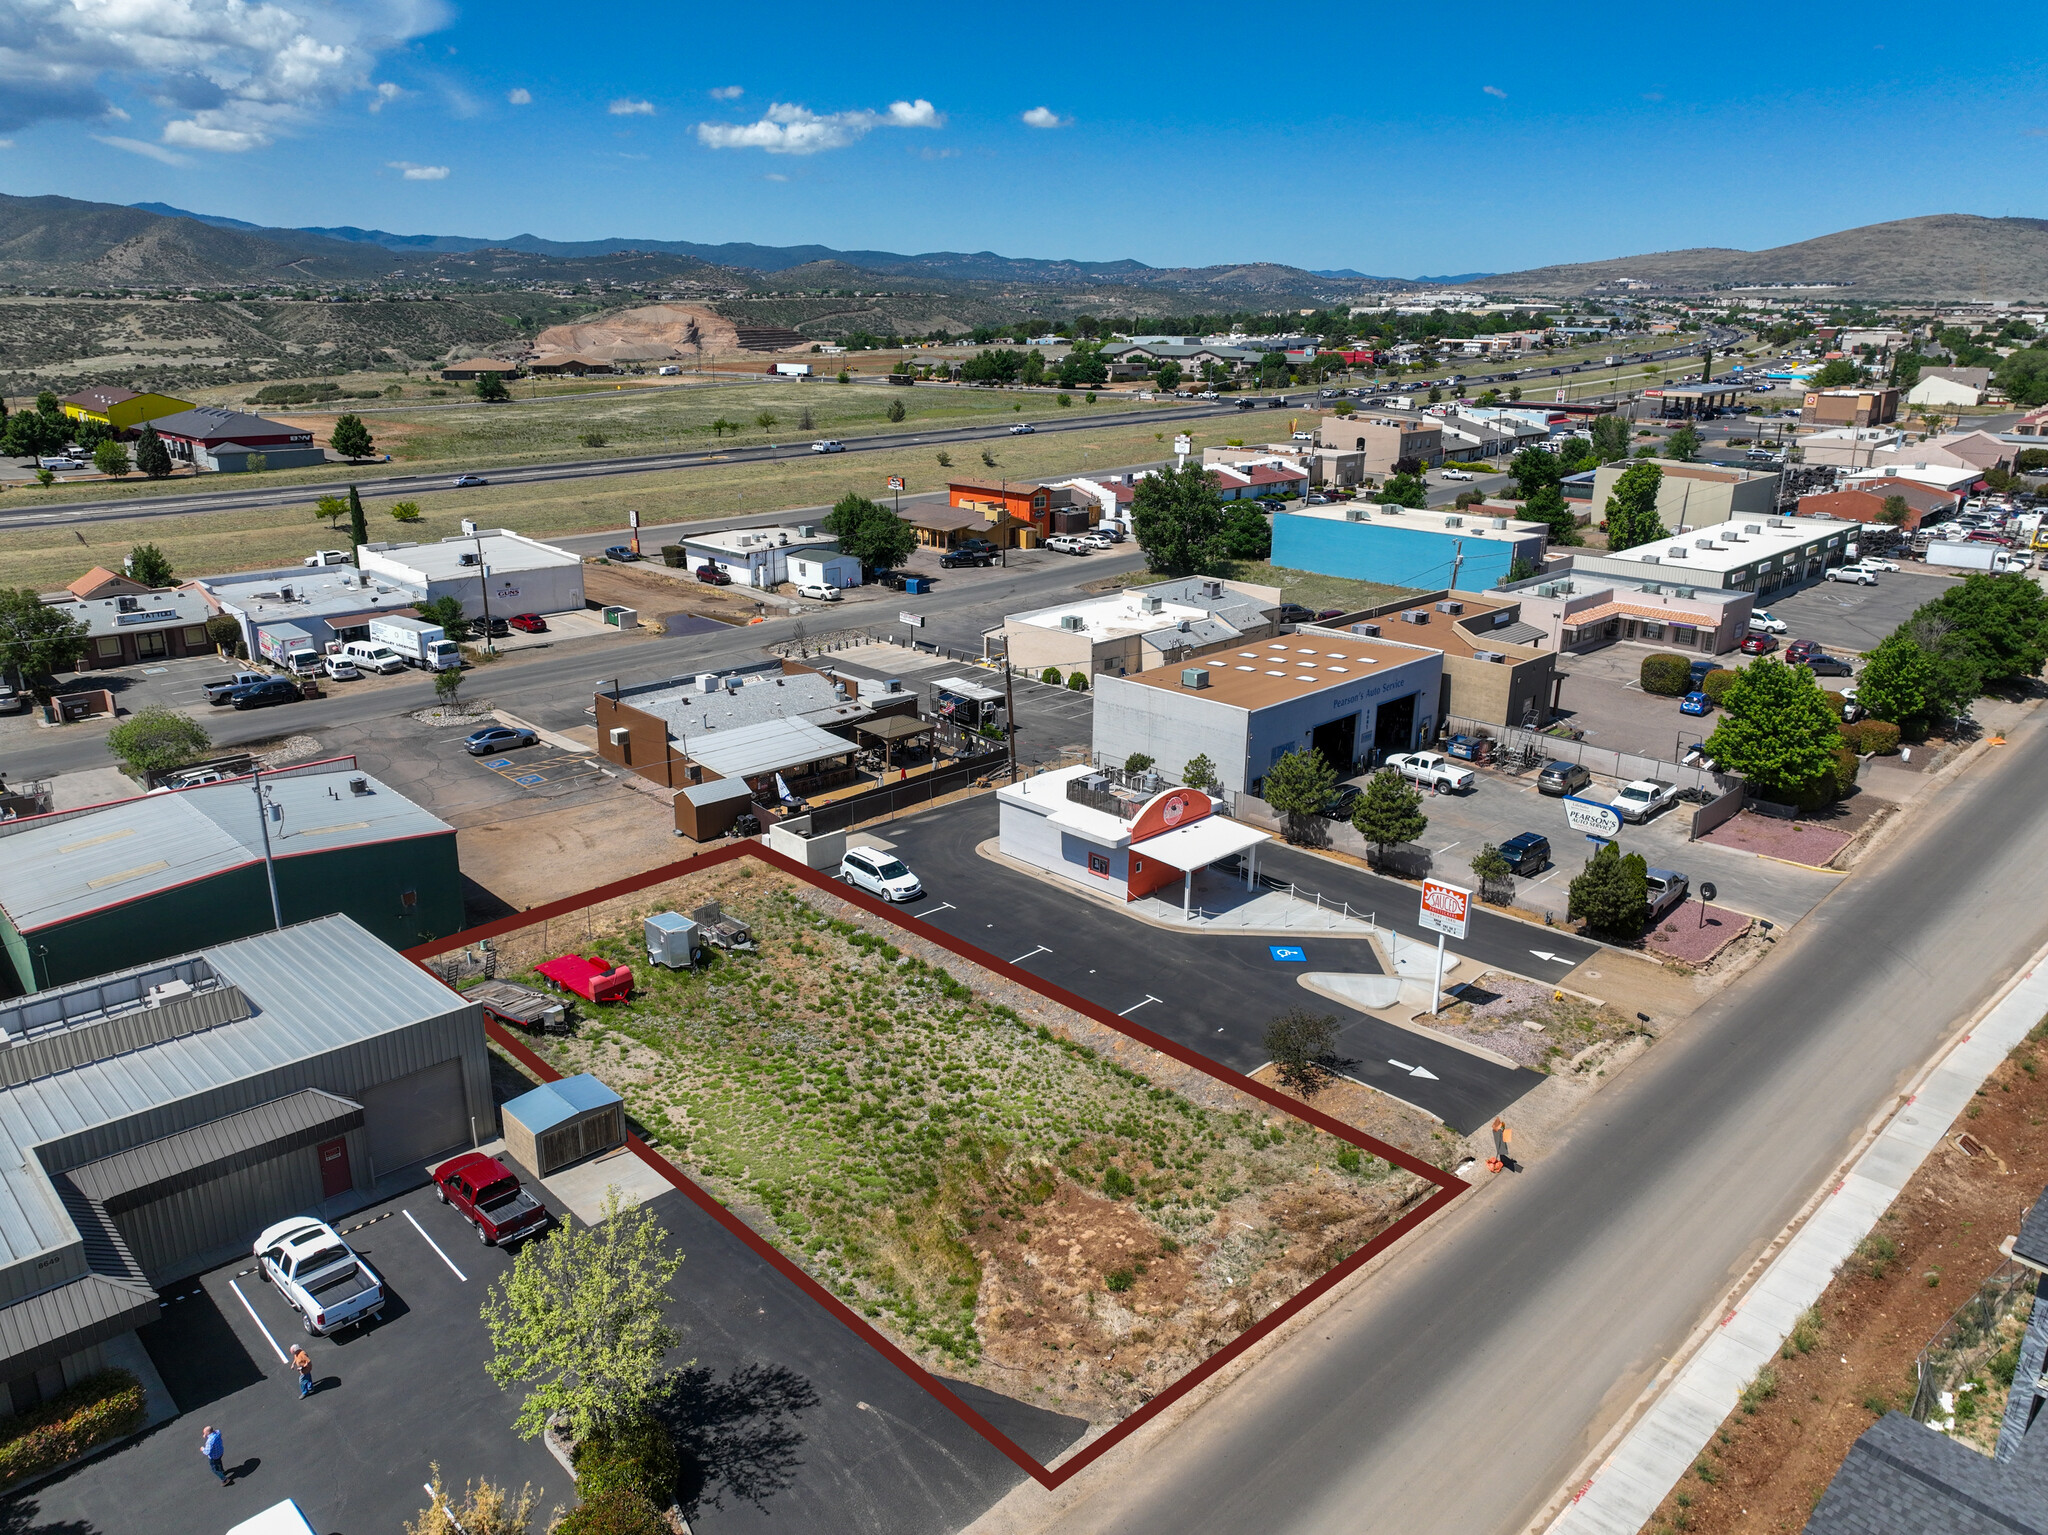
(415, 1117)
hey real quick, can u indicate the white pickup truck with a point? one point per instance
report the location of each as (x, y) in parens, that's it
(1637, 802)
(319, 1273)
(1433, 770)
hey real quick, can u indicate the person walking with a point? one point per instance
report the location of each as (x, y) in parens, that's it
(213, 1449)
(303, 1363)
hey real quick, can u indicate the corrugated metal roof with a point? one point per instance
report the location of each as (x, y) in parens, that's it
(161, 1167)
(316, 987)
(719, 791)
(135, 847)
(768, 747)
(556, 1103)
(45, 1328)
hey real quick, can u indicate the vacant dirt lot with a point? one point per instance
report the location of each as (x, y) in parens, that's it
(1853, 1360)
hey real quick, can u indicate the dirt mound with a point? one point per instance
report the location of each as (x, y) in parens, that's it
(641, 335)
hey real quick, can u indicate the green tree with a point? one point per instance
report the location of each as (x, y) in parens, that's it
(896, 410)
(448, 686)
(1896, 682)
(256, 463)
(1610, 439)
(1405, 490)
(1895, 512)
(447, 613)
(110, 458)
(490, 388)
(1297, 786)
(1777, 729)
(871, 533)
(351, 439)
(1549, 507)
(1247, 534)
(1138, 762)
(36, 640)
(2024, 376)
(1168, 376)
(34, 433)
(592, 439)
(358, 527)
(156, 739)
(1838, 374)
(1388, 813)
(333, 508)
(765, 419)
(2000, 622)
(1303, 1048)
(151, 566)
(1534, 468)
(1495, 875)
(579, 1321)
(1612, 896)
(224, 632)
(1178, 518)
(1632, 508)
(1200, 773)
(409, 511)
(1683, 444)
(1050, 676)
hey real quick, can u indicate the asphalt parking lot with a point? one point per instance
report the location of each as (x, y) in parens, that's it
(781, 1410)
(1855, 618)
(1213, 992)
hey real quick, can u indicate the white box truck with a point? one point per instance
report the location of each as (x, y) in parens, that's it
(422, 644)
(1966, 556)
(290, 647)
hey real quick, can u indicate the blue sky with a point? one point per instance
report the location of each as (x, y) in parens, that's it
(1394, 140)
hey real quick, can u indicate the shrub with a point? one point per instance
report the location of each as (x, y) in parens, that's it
(1878, 736)
(1717, 682)
(101, 1407)
(591, 439)
(1117, 1184)
(1078, 682)
(1349, 1159)
(1050, 675)
(406, 511)
(636, 1457)
(1118, 1280)
(618, 1512)
(1137, 762)
(1666, 674)
(1760, 1390)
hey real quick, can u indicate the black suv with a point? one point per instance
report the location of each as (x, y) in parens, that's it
(1527, 853)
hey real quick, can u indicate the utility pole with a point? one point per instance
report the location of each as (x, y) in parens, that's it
(483, 585)
(1010, 714)
(263, 809)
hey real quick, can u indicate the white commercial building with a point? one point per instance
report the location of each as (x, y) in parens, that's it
(760, 557)
(1748, 554)
(493, 567)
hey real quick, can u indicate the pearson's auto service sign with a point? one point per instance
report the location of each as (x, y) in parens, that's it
(1445, 908)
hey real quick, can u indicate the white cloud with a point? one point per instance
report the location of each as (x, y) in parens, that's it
(138, 147)
(727, 92)
(627, 106)
(785, 129)
(385, 93)
(242, 72)
(775, 176)
(1494, 90)
(6, 143)
(1045, 117)
(419, 172)
(520, 96)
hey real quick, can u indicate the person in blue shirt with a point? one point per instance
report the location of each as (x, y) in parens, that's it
(211, 1447)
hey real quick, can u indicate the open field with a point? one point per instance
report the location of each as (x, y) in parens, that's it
(205, 542)
(1015, 1193)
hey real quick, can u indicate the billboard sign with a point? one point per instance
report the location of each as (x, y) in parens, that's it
(1446, 908)
(1591, 816)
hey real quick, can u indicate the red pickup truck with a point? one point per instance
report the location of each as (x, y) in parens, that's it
(487, 1194)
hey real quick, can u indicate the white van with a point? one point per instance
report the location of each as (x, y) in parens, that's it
(372, 657)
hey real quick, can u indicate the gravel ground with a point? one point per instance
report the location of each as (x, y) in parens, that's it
(1684, 935)
(1794, 841)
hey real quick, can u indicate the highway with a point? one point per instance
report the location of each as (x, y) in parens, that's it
(1457, 1391)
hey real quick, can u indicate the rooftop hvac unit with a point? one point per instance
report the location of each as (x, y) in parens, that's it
(892, 685)
(1212, 588)
(620, 735)
(1150, 605)
(1414, 616)
(468, 557)
(806, 530)
(1677, 551)
(1489, 655)
(168, 991)
(707, 682)
(1500, 523)
(1194, 676)
(1548, 589)
(1703, 543)
(1371, 630)
(733, 684)
(1454, 522)
(1653, 590)
(359, 785)
(1450, 607)
(1360, 513)
(1072, 621)
(1651, 559)
(1752, 527)
(1185, 626)
(1684, 593)
(284, 594)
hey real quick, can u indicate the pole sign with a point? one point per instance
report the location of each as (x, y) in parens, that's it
(895, 482)
(1591, 817)
(915, 620)
(1445, 908)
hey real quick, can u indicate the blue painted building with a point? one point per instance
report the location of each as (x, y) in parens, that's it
(1400, 546)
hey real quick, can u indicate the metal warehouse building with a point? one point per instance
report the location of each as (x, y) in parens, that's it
(152, 1121)
(1352, 699)
(85, 891)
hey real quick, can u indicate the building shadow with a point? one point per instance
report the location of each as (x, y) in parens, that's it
(21, 1516)
(481, 905)
(197, 1354)
(737, 1437)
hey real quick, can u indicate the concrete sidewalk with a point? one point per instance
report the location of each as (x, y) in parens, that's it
(1665, 1441)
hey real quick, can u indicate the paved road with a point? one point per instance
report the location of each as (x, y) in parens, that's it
(1212, 993)
(1460, 1389)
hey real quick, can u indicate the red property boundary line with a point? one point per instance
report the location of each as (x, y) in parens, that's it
(1449, 1186)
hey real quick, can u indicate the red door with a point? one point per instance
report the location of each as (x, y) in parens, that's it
(334, 1174)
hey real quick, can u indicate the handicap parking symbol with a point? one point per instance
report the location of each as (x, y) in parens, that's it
(529, 778)
(1287, 954)
(501, 762)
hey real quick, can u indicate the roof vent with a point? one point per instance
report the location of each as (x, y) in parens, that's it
(1185, 626)
(1194, 676)
(732, 684)
(1371, 630)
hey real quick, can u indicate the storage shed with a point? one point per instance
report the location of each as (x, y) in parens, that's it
(563, 1122)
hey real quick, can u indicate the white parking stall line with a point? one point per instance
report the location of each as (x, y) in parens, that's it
(1041, 949)
(281, 1359)
(1149, 999)
(933, 911)
(436, 1246)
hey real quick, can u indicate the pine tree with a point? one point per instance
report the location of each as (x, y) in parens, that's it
(1388, 813)
(151, 456)
(1613, 894)
(351, 438)
(358, 526)
(1297, 786)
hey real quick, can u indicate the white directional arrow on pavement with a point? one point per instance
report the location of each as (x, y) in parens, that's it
(1546, 954)
(1415, 1071)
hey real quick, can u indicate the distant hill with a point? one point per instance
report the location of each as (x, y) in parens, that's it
(1939, 256)
(1461, 277)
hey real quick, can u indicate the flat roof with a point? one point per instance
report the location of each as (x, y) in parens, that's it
(1724, 546)
(315, 593)
(1473, 524)
(746, 541)
(313, 988)
(1265, 672)
(503, 553)
(1201, 843)
(152, 610)
(692, 713)
(58, 868)
(769, 747)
